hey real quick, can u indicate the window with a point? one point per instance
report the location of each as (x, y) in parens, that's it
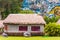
(35, 28)
(6, 28)
(23, 28)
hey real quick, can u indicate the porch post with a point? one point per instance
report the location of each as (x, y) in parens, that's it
(29, 28)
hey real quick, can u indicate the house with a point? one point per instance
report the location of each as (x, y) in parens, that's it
(1, 26)
(58, 21)
(17, 24)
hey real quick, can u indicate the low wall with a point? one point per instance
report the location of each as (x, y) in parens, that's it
(21, 34)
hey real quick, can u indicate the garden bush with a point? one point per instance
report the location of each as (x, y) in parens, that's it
(52, 29)
(53, 19)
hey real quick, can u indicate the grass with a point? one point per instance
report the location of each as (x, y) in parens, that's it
(29, 38)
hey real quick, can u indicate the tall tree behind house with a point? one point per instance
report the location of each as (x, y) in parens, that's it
(10, 6)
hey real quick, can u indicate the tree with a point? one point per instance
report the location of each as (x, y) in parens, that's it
(10, 6)
(52, 29)
(26, 12)
(53, 19)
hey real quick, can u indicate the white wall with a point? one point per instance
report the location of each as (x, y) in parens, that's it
(41, 28)
(29, 28)
(15, 28)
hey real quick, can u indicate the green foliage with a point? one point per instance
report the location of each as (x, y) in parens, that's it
(52, 29)
(53, 19)
(10, 6)
(26, 12)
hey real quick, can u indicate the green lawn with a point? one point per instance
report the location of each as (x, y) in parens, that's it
(29, 38)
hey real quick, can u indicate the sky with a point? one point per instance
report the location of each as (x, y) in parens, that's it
(50, 4)
(56, 1)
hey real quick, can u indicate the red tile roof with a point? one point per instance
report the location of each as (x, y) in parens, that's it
(24, 19)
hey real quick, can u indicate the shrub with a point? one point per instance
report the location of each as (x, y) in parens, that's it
(52, 29)
(53, 19)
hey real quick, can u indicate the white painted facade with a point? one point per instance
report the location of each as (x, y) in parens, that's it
(41, 28)
(29, 28)
(15, 28)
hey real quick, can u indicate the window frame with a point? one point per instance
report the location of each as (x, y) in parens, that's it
(22, 30)
(36, 26)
